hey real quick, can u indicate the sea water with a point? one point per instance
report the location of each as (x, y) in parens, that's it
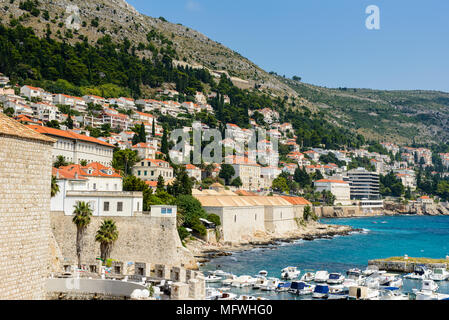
(381, 237)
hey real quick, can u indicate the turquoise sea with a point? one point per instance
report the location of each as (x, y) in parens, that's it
(416, 236)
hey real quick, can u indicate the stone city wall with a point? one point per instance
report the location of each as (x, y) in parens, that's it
(25, 179)
(147, 239)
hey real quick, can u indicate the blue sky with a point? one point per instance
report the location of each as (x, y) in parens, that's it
(326, 42)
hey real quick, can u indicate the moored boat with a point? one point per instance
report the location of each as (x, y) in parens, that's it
(335, 278)
(301, 288)
(439, 274)
(321, 291)
(321, 276)
(308, 276)
(290, 273)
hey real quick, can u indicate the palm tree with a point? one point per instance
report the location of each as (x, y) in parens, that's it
(54, 186)
(82, 212)
(106, 235)
(60, 162)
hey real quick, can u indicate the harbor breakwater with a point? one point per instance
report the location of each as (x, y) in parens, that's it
(407, 265)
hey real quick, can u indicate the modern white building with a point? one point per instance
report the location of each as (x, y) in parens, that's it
(339, 188)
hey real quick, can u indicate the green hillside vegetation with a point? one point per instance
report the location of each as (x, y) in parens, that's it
(402, 116)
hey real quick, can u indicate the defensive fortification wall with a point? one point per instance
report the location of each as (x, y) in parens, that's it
(143, 238)
(25, 176)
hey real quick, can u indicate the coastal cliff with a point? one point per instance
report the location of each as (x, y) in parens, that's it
(432, 209)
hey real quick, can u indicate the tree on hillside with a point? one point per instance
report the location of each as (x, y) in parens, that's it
(302, 177)
(106, 235)
(280, 185)
(227, 172)
(124, 160)
(237, 182)
(81, 219)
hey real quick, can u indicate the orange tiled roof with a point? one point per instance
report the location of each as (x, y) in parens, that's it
(12, 127)
(297, 200)
(332, 181)
(67, 134)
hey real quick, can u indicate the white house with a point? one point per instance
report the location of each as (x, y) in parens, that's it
(339, 188)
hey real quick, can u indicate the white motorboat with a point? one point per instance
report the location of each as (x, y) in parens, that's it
(301, 288)
(229, 279)
(283, 286)
(271, 284)
(213, 294)
(392, 293)
(428, 292)
(212, 278)
(263, 273)
(335, 278)
(354, 271)
(259, 282)
(390, 280)
(290, 273)
(354, 279)
(243, 281)
(321, 276)
(321, 291)
(420, 273)
(372, 282)
(371, 269)
(308, 276)
(220, 273)
(439, 274)
(338, 292)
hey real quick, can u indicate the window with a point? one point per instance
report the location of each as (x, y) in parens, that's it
(95, 186)
(119, 206)
(106, 206)
(138, 172)
(235, 218)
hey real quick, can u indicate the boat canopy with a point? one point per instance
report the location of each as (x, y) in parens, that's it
(334, 276)
(321, 289)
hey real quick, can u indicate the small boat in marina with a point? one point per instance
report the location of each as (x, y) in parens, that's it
(213, 294)
(321, 276)
(229, 279)
(301, 288)
(354, 271)
(243, 281)
(439, 274)
(338, 292)
(270, 285)
(372, 282)
(220, 273)
(321, 291)
(212, 278)
(335, 278)
(259, 282)
(263, 273)
(283, 286)
(392, 293)
(290, 273)
(390, 280)
(420, 273)
(308, 276)
(428, 292)
(371, 269)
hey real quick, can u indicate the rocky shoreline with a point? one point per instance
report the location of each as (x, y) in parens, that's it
(205, 252)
